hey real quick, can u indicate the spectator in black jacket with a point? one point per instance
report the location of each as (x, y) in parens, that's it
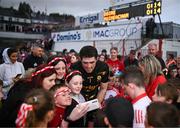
(131, 60)
(153, 50)
(35, 58)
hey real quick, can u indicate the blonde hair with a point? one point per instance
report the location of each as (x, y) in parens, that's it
(152, 68)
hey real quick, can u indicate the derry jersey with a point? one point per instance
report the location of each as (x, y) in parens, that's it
(140, 104)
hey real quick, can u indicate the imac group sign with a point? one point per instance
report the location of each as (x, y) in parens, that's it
(132, 31)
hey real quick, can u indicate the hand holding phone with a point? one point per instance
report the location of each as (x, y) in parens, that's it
(93, 104)
(18, 75)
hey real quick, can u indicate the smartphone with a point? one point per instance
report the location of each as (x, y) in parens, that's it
(18, 75)
(93, 104)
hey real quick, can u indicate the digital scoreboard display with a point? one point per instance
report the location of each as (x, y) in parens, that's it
(147, 9)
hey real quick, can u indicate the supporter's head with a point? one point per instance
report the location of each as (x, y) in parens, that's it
(170, 56)
(114, 53)
(37, 50)
(176, 83)
(74, 81)
(132, 54)
(166, 93)
(71, 52)
(9, 55)
(61, 95)
(64, 52)
(104, 52)
(161, 115)
(119, 113)
(152, 49)
(133, 80)
(102, 58)
(172, 71)
(88, 55)
(44, 77)
(59, 64)
(74, 58)
(150, 67)
(13, 54)
(37, 109)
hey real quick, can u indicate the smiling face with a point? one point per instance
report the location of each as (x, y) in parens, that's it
(63, 97)
(114, 54)
(88, 63)
(152, 49)
(60, 69)
(75, 84)
(49, 81)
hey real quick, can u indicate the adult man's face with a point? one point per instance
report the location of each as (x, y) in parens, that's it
(37, 51)
(152, 49)
(88, 63)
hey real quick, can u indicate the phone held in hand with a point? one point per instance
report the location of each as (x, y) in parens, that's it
(93, 104)
(18, 75)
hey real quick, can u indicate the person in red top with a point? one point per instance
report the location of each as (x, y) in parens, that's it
(153, 74)
(62, 99)
(113, 62)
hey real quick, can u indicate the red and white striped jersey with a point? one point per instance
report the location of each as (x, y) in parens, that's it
(140, 104)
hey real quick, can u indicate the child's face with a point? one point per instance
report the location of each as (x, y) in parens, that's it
(62, 97)
(73, 59)
(60, 69)
(49, 82)
(75, 84)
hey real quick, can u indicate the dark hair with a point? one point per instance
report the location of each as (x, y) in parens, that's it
(133, 52)
(10, 51)
(161, 114)
(169, 92)
(42, 102)
(104, 50)
(133, 74)
(38, 79)
(175, 82)
(88, 51)
(171, 56)
(72, 50)
(119, 112)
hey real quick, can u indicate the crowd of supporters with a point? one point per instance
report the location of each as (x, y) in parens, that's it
(39, 88)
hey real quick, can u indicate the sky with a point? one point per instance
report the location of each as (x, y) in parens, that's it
(170, 8)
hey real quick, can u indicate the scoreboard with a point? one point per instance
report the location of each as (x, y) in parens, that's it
(152, 8)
